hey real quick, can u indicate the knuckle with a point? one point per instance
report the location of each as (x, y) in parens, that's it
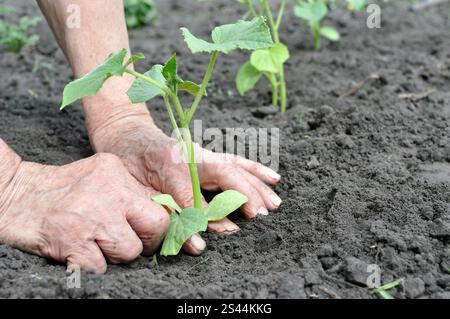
(161, 220)
(130, 250)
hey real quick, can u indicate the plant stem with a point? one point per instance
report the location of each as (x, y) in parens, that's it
(148, 80)
(274, 27)
(251, 8)
(280, 14)
(201, 91)
(273, 83)
(192, 165)
(272, 23)
(173, 121)
(283, 95)
(178, 108)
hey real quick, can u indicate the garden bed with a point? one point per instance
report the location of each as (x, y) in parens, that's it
(379, 192)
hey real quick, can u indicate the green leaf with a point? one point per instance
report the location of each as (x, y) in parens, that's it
(357, 5)
(134, 58)
(170, 68)
(26, 22)
(182, 226)
(170, 73)
(247, 78)
(190, 87)
(6, 9)
(271, 59)
(248, 35)
(142, 91)
(224, 204)
(92, 82)
(139, 12)
(311, 11)
(330, 33)
(166, 200)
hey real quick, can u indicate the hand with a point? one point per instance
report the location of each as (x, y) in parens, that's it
(148, 154)
(81, 213)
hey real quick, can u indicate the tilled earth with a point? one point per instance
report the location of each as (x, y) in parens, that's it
(366, 178)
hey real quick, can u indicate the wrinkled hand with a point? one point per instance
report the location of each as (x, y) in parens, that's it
(149, 156)
(81, 213)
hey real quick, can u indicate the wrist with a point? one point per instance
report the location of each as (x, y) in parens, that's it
(111, 104)
(9, 165)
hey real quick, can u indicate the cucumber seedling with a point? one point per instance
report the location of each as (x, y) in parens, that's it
(17, 36)
(164, 81)
(268, 62)
(139, 12)
(314, 11)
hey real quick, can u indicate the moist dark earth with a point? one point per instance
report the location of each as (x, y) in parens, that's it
(366, 178)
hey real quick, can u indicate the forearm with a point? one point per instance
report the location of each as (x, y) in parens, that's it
(102, 31)
(9, 164)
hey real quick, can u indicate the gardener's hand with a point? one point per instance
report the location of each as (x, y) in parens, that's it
(149, 156)
(82, 213)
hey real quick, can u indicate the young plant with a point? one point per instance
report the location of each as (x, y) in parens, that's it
(383, 290)
(268, 62)
(164, 81)
(16, 36)
(139, 12)
(314, 11)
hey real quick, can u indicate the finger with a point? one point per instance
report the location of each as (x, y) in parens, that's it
(118, 242)
(262, 172)
(270, 198)
(150, 222)
(195, 245)
(230, 177)
(223, 227)
(88, 258)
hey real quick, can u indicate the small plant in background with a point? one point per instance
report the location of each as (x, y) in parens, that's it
(163, 80)
(139, 12)
(315, 11)
(17, 36)
(382, 291)
(268, 62)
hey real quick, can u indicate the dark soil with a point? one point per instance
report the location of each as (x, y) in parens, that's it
(380, 193)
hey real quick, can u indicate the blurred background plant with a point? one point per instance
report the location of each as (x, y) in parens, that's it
(313, 12)
(139, 13)
(15, 36)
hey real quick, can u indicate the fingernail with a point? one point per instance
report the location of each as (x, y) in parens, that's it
(272, 174)
(276, 201)
(263, 211)
(232, 229)
(198, 242)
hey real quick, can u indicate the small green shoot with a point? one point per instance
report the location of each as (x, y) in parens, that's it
(17, 36)
(164, 81)
(268, 62)
(155, 261)
(313, 12)
(383, 290)
(139, 13)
